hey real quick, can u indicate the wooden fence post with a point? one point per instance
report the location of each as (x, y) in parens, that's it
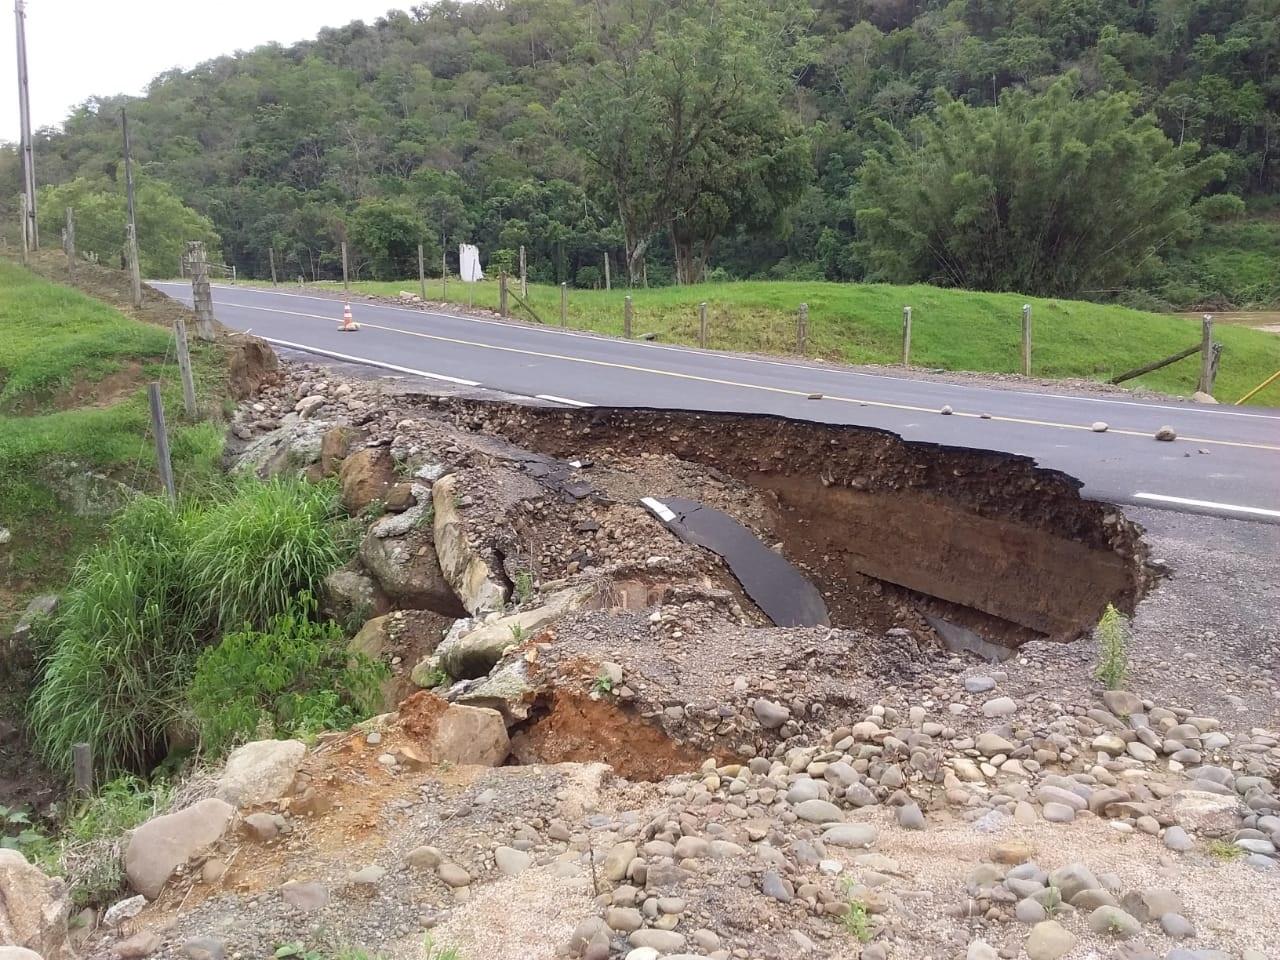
(802, 329)
(82, 768)
(444, 271)
(71, 243)
(524, 276)
(184, 367)
(906, 336)
(1206, 355)
(608, 285)
(1026, 340)
(346, 283)
(564, 304)
(502, 294)
(422, 273)
(271, 255)
(702, 324)
(626, 316)
(163, 461)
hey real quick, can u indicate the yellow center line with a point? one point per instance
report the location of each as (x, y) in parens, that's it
(742, 385)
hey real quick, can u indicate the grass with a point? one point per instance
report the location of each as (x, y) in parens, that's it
(51, 337)
(1224, 850)
(951, 329)
(54, 335)
(1112, 633)
(123, 646)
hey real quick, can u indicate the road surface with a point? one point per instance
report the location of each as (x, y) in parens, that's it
(1225, 462)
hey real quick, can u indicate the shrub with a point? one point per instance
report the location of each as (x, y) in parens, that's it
(91, 852)
(168, 582)
(1113, 649)
(296, 677)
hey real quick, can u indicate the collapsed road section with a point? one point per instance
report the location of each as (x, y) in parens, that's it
(983, 540)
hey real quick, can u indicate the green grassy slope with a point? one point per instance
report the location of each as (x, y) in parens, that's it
(53, 338)
(951, 329)
(1235, 263)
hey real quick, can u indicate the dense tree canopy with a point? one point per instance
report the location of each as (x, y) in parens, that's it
(164, 224)
(680, 136)
(1051, 194)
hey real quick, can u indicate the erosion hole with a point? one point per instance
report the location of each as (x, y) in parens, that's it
(983, 540)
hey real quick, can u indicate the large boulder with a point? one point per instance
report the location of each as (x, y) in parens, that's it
(291, 447)
(33, 908)
(251, 364)
(472, 650)
(366, 476)
(408, 571)
(260, 771)
(335, 445)
(506, 690)
(351, 595)
(84, 492)
(463, 566)
(161, 846)
(451, 733)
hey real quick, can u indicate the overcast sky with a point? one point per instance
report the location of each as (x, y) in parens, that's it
(81, 48)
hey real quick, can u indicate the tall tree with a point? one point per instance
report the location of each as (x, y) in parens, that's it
(671, 87)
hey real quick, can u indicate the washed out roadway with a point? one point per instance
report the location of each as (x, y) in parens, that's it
(1226, 460)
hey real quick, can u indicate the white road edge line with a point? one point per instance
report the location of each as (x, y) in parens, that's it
(659, 508)
(373, 363)
(554, 399)
(1216, 410)
(1208, 504)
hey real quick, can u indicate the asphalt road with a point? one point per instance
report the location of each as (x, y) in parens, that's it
(1226, 460)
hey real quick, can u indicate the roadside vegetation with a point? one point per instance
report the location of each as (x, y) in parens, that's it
(58, 348)
(143, 609)
(862, 323)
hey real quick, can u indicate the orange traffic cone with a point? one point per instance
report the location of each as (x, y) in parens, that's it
(347, 325)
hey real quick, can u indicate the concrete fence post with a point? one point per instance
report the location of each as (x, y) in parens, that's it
(564, 304)
(702, 324)
(627, 311)
(906, 336)
(201, 292)
(1026, 340)
(802, 329)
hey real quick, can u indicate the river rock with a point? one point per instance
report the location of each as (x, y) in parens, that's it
(1049, 940)
(163, 844)
(260, 771)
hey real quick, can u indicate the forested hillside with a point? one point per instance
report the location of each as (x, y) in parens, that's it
(1058, 147)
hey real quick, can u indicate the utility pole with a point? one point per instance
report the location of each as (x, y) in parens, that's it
(135, 270)
(30, 227)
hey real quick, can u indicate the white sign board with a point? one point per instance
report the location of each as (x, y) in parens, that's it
(469, 263)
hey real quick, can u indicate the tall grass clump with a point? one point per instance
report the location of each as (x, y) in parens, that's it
(165, 585)
(124, 640)
(253, 552)
(1113, 649)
